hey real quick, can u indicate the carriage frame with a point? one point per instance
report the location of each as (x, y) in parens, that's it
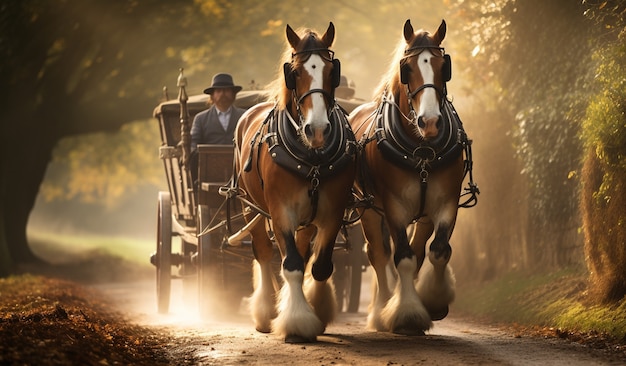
(215, 272)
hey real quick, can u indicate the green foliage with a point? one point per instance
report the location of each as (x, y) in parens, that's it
(247, 37)
(547, 77)
(62, 249)
(604, 178)
(604, 128)
(517, 296)
(103, 166)
(532, 66)
(480, 32)
(576, 316)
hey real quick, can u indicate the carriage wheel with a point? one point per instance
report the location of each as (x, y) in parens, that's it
(355, 268)
(203, 260)
(188, 272)
(340, 277)
(223, 277)
(356, 273)
(347, 279)
(164, 251)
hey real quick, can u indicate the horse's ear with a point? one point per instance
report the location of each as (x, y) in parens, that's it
(329, 36)
(292, 37)
(441, 33)
(408, 31)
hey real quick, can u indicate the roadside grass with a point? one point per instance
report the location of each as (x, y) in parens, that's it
(63, 248)
(91, 258)
(553, 299)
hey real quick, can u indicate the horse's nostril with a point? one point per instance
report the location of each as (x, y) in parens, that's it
(421, 123)
(308, 131)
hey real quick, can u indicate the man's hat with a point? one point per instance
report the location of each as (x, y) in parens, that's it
(344, 90)
(222, 81)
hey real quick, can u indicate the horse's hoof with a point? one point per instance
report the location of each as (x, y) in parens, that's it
(408, 331)
(438, 314)
(440, 253)
(294, 338)
(263, 329)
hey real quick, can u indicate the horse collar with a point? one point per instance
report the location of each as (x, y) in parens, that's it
(287, 150)
(396, 146)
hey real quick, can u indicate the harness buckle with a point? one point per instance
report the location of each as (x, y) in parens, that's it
(315, 182)
(424, 173)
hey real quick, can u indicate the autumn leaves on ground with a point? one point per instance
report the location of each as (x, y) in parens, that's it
(55, 322)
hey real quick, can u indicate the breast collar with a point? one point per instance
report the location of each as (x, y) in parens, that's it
(289, 152)
(398, 148)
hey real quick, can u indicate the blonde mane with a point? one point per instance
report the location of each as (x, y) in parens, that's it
(391, 79)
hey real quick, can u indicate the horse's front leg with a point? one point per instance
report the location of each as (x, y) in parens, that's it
(378, 253)
(263, 299)
(436, 283)
(296, 321)
(319, 288)
(404, 312)
(422, 231)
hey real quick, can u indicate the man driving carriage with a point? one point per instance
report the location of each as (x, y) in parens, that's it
(216, 125)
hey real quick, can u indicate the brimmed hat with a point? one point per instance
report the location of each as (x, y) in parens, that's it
(222, 81)
(344, 90)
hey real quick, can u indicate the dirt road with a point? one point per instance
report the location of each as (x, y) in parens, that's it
(452, 341)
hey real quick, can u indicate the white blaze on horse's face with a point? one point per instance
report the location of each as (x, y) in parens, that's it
(316, 122)
(428, 113)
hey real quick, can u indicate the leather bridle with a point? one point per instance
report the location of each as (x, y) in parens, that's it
(442, 92)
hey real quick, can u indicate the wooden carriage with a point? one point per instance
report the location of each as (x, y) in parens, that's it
(218, 273)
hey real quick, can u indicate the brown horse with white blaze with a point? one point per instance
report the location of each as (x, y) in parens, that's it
(296, 165)
(412, 168)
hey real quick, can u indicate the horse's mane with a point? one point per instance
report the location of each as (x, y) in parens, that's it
(276, 89)
(391, 79)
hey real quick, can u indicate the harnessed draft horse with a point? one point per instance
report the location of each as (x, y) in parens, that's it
(295, 163)
(412, 169)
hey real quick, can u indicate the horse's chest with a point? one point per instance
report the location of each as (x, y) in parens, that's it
(405, 188)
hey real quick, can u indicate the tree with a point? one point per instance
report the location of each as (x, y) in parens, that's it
(536, 66)
(563, 106)
(69, 67)
(491, 237)
(604, 165)
(549, 86)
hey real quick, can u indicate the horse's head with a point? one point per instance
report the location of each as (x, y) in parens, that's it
(312, 76)
(424, 70)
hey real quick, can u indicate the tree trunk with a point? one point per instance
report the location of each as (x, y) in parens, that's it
(23, 189)
(6, 261)
(24, 160)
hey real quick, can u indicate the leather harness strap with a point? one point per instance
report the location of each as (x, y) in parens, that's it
(421, 157)
(280, 132)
